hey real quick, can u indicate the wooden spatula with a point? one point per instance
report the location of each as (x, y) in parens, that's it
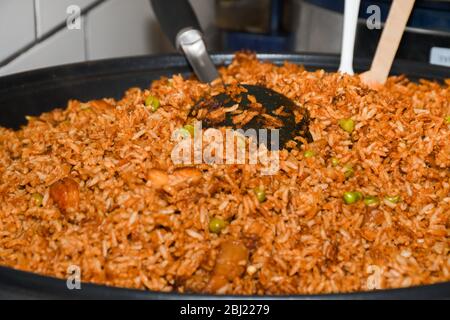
(390, 39)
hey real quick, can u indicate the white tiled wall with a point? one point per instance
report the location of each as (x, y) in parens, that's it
(116, 28)
(66, 46)
(113, 28)
(17, 15)
(50, 13)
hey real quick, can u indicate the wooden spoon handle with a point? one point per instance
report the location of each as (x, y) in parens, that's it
(389, 42)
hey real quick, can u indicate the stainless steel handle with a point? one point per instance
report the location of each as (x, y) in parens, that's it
(190, 42)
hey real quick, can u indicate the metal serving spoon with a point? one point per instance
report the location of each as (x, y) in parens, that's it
(180, 24)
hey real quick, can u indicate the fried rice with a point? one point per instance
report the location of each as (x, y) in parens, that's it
(93, 185)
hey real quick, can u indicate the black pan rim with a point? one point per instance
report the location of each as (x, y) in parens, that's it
(49, 287)
(114, 66)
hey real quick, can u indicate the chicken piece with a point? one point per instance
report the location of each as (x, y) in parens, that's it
(160, 179)
(66, 194)
(231, 263)
(100, 104)
(188, 175)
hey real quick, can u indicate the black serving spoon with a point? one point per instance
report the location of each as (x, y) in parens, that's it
(274, 110)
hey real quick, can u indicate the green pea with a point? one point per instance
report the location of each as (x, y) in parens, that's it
(152, 103)
(190, 128)
(309, 154)
(184, 133)
(37, 199)
(447, 119)
(260, 193)
(347, 125)
(393, 199)
(216, 225)
(352, 197)
(349, 172)
(334, 161)
(371, 201)
(358, 195)
(241, 143)
(85, 106)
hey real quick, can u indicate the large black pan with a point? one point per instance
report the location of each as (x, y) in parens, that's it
(34, 92)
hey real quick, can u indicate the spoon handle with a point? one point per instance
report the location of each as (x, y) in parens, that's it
(389, 42)
(348, 38)
(175, 16)
(179, 22)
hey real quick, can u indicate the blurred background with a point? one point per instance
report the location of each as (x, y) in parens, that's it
(34, 33)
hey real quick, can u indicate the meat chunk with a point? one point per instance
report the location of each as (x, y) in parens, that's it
(158, 178)
(161, 180)
(66, 194)
(187, 175)
(100, 104)
(230, 264)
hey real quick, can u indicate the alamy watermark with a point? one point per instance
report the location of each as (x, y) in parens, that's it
(73, 277)
(73, 21)
(374, 20)
(374, 278)
(74, 17)
(216, 147)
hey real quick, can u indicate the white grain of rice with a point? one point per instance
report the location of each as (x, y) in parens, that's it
(45, 198)
(405, 253)
(251, 270)
(387, 217)
(344, 233)
(421, 111)
(408, 189)
(168, 210)
(427, 208)
(223, 289)
(104, 248)
(389, 204)
(93, 182)
(276, 279)
(400, 126)
(194, 234)
(133, 218)
(223, 205)
(138, 134)
(42, 176)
